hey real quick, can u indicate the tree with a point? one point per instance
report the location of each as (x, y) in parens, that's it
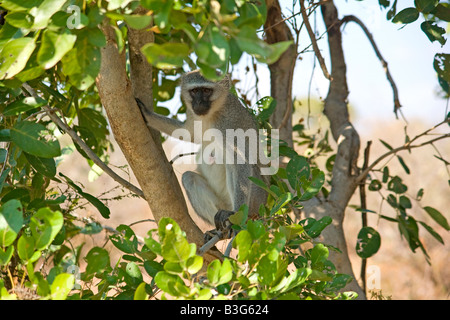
(64, 62)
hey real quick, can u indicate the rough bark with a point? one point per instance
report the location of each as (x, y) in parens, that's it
(343, 182)
(282, 71)
(142, 151)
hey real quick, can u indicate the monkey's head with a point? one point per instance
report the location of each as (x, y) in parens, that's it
(200, 94)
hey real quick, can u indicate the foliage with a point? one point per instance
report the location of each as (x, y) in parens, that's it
(435, 13)
(270, 261)
(49, 60)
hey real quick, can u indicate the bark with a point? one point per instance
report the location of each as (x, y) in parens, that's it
(281, 72)
(142, 151)
(344, 179)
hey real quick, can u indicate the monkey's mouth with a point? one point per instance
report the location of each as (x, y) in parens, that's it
(201, 109)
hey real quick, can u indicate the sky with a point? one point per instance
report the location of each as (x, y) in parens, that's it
(407, 50)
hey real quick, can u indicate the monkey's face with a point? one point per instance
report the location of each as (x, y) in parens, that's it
(201, 99)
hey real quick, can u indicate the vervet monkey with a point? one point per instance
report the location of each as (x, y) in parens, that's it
(220, 186)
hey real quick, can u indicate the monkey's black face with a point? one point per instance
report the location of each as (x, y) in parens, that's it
(201, 102)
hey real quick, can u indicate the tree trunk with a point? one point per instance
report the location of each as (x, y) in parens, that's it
(281, 72)
(343, 183)
(142, 150)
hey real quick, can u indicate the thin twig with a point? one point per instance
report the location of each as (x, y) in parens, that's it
(406, 146)
(293, 15)
(397, 104)
(314, 41)
(362, 196)
(65, 128)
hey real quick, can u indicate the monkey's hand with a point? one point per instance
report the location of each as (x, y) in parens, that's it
(223, 226)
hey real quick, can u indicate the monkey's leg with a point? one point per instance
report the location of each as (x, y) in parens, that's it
(203, 199)
(206, 204)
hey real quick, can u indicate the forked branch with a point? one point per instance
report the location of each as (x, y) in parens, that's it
(407, 146)
(91, 154)
(349, 18)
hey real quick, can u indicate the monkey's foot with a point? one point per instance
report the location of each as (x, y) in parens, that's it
(223, 226)
(220, 234)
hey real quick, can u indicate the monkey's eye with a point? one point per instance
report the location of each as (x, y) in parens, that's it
(207, 91)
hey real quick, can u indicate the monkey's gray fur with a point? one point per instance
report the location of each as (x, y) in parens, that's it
(216, 190)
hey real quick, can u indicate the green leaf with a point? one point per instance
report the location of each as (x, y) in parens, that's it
(97, 261)
(170, 283)
(442, 65)
(61, 286)
(225, 272)
(426, 6)
(45, 166)
(140, 293)
(27, 135)
(406, 16)
(239, 217)
(167, 55)
(82, 63)
(266, 107)
(213, 271)
(45, 11)
(315, 227)
(313, 188)
(11, 221)
(375, 185)
(132, 269)
(25, 247)
(386, 144)
(419, 194)
(194, 264)
(281, 202)
(405, 203)
(104, 210)
(213, 49)
(45, 225)
(368, 242)
(124, 241)
(23, 5)
(396, 185)
(137, 21)
(297, 168)
(14, 56)
(403, 164)
(243, 243)
(433, 32)
(23, 105)
(152, 268)
(256, 229)
(432, 232)
(438, 217)
(385, 174)
(54, 46)
(175, 248)
(5, 256)
(442, 11)
(20, 20)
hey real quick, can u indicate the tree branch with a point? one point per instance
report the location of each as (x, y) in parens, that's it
(406, 146)
(157, 180)
(313, 41)
(362, 197)
(349, 18)
(91, 154)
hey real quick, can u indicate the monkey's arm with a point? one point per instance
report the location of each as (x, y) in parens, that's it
(158, 122)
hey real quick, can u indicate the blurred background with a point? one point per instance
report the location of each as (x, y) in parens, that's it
(400, 274)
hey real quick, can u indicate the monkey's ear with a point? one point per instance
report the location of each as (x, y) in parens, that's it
(226, 82)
